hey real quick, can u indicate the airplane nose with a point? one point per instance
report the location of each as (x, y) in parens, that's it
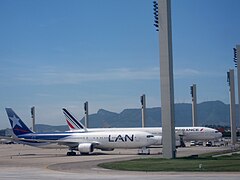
(219, 135)
(158, 140)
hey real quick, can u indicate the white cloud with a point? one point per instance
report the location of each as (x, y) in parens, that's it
(186, 73)
(47, 76)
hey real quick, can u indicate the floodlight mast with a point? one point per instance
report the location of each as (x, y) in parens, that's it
(33, 119)
(193, 89)
(86, 113)
(230, 79)
(166, 76)
(236, 60)
(143, 104)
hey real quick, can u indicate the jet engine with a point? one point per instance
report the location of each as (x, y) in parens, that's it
(85, 148)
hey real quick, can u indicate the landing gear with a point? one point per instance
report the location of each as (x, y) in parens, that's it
(71, 153)
(144, 151)
(182, 144)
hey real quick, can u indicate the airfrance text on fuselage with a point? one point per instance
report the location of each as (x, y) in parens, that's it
(190, 129)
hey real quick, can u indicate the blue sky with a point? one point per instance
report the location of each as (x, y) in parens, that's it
(59, 53)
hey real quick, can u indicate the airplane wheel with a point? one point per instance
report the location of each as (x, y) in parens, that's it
(71, 153)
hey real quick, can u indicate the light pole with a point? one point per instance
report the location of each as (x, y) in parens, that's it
(194, 104)
(143, 103)
(86, 113)
(166, 76)
(230, 79)
(236, 59)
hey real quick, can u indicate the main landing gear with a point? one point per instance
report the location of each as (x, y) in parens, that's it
(182, 143)
(144, 151)
(71, 153)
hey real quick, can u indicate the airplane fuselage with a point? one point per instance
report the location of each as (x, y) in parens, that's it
(100, 139)
(188, 133)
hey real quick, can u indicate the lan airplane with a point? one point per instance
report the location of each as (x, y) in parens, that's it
(76, 141)
(188, 133)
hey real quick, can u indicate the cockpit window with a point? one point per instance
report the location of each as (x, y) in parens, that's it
(216, 131)
(149, 136)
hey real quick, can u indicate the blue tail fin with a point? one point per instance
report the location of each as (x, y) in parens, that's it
(19, 128)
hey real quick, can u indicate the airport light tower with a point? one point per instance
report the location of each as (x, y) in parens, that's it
(86, 113)
(33, 119)
(230, 80)
(164, 28)
(236, 60)
(143, 103)
(193, 89)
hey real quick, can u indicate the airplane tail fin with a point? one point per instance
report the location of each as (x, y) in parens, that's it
(72, 122)
(18, 126)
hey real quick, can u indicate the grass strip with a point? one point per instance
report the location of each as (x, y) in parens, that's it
(197, 164)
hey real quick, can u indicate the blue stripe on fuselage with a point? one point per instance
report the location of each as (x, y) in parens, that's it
(45, 136)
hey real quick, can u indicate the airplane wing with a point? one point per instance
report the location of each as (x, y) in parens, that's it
(6, 137)
(70, 144)
(12, 138)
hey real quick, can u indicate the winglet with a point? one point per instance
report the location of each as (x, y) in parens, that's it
(18, 126)
(72, 122)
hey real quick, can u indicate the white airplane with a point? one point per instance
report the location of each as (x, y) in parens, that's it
(6, 140)
(83, 142)
(188, 133)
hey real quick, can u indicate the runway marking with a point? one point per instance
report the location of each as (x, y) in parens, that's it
(100, 169)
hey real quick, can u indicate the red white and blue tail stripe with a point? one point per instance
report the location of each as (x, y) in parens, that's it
(72, 122)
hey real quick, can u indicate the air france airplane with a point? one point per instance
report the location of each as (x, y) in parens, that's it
(85, 143)
(188, 133)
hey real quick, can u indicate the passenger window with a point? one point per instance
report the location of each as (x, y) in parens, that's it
(149, 136)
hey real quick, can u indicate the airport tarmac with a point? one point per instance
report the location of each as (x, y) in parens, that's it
(24, 162)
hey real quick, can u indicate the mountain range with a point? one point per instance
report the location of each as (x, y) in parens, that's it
(209, 113)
